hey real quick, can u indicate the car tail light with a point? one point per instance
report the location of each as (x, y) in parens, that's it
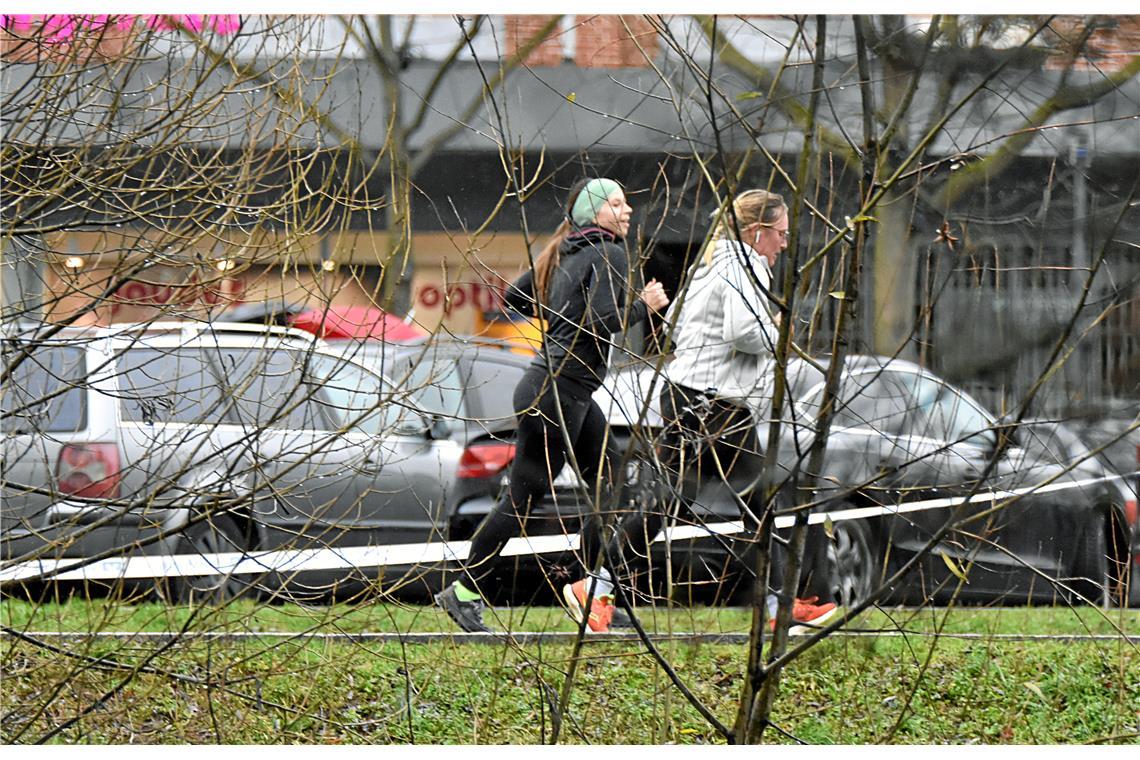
(1130, 510)
(90, 470)
(483, 460)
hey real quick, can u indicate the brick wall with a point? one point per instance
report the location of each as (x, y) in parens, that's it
(599, 41)
(612, 41)
(521, 29)
(84, 45)
(1111, 46)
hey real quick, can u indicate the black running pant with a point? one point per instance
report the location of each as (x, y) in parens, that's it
(711, 438)
(546, 421)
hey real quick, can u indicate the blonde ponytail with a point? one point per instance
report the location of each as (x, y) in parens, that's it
(747, 208)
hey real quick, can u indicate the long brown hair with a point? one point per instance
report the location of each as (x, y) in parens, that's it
(547, 260)
(749, 207)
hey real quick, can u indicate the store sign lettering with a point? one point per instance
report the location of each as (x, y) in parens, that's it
(461, 295)
(134, 292)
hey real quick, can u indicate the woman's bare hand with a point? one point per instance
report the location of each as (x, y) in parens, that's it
(654, 295)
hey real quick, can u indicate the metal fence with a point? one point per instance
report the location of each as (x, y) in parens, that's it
(1000, 311)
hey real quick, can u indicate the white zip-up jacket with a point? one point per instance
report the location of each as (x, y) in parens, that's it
(724, 337)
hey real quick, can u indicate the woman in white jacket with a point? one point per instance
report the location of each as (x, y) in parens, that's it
(724, 343)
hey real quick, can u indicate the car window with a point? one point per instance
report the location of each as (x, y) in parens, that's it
(873, 400)
(802, 377)
(46, 391)
(1072, 444)
(354, 397)
(494, 384)
(269, 389)
(1053, 442)
(437, 388)
(168, 385)
(943, 414)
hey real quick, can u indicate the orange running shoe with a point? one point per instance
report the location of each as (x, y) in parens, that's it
(806, 615)
(806, 611)
(601, 608)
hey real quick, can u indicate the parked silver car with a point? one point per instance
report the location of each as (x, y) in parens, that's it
(176, 438)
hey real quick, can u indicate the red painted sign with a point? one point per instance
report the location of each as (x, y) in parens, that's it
(134, 293)
(481, 296)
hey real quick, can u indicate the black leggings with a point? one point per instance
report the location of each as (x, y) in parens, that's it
(711, 438)
(540, 454)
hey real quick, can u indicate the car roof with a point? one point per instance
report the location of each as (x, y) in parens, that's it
(864, 362)
(49, 331)
(440, 345)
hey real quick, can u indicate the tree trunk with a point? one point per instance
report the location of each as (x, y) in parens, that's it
(894, 277)
(397, 265)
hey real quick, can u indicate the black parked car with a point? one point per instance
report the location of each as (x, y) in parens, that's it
(1043, 519)
(467, 385)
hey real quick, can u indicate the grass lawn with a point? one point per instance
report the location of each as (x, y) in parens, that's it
(897, 689)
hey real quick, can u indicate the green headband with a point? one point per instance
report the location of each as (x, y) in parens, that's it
(593, 196)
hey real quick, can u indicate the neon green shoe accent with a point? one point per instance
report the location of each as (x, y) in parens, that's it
(464, 594)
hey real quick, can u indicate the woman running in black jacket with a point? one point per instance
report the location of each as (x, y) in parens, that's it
(578, 285)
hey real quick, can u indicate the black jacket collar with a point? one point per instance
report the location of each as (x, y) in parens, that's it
(585, 236)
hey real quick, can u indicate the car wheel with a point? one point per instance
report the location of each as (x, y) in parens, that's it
(1133, 580)
(215, 535)
(854, 561)
(1090, 571)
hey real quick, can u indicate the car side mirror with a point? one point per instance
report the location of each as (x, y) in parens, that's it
(439, 428)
